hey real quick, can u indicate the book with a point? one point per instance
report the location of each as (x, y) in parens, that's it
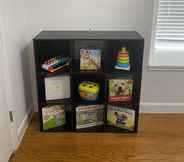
(90, 59)
(121, 117)
(120, 89)
(57, 87)
(53, 116)
(88, 116)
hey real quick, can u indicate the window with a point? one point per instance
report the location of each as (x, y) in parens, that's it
(168, 34)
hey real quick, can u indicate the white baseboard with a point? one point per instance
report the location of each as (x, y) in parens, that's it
(149, 107)
(24, 125)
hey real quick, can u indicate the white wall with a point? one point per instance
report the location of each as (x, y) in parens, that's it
(5, 135)
(161, 90)
(17, 57)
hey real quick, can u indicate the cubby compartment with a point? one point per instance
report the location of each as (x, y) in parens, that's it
(90, 80)
(120, 117)
(52, 49)
(56, 117)
(113, 50)
(54, 89)
(89, 118)
(88, 52)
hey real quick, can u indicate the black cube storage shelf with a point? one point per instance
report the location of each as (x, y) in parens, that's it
(49, 44)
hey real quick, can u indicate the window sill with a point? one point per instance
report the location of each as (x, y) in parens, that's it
(166, 59)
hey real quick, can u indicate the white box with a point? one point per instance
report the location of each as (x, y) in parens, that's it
(57, 87)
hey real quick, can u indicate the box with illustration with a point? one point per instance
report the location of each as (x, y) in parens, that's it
(90, 59)
(120, 89)
(89, 116)
(53, 116)
(121, 117)
(57, 87)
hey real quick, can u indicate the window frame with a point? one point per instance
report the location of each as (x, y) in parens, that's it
(163, 59)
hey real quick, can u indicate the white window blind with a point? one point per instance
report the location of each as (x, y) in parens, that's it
(170, 21)
(167, 48)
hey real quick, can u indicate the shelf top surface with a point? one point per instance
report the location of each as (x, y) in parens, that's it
(96, 35)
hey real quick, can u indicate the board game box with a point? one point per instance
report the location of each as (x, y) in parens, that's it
(88, 116)
(120, 89)
(90, 59)
(53, 116)
(121, 117)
